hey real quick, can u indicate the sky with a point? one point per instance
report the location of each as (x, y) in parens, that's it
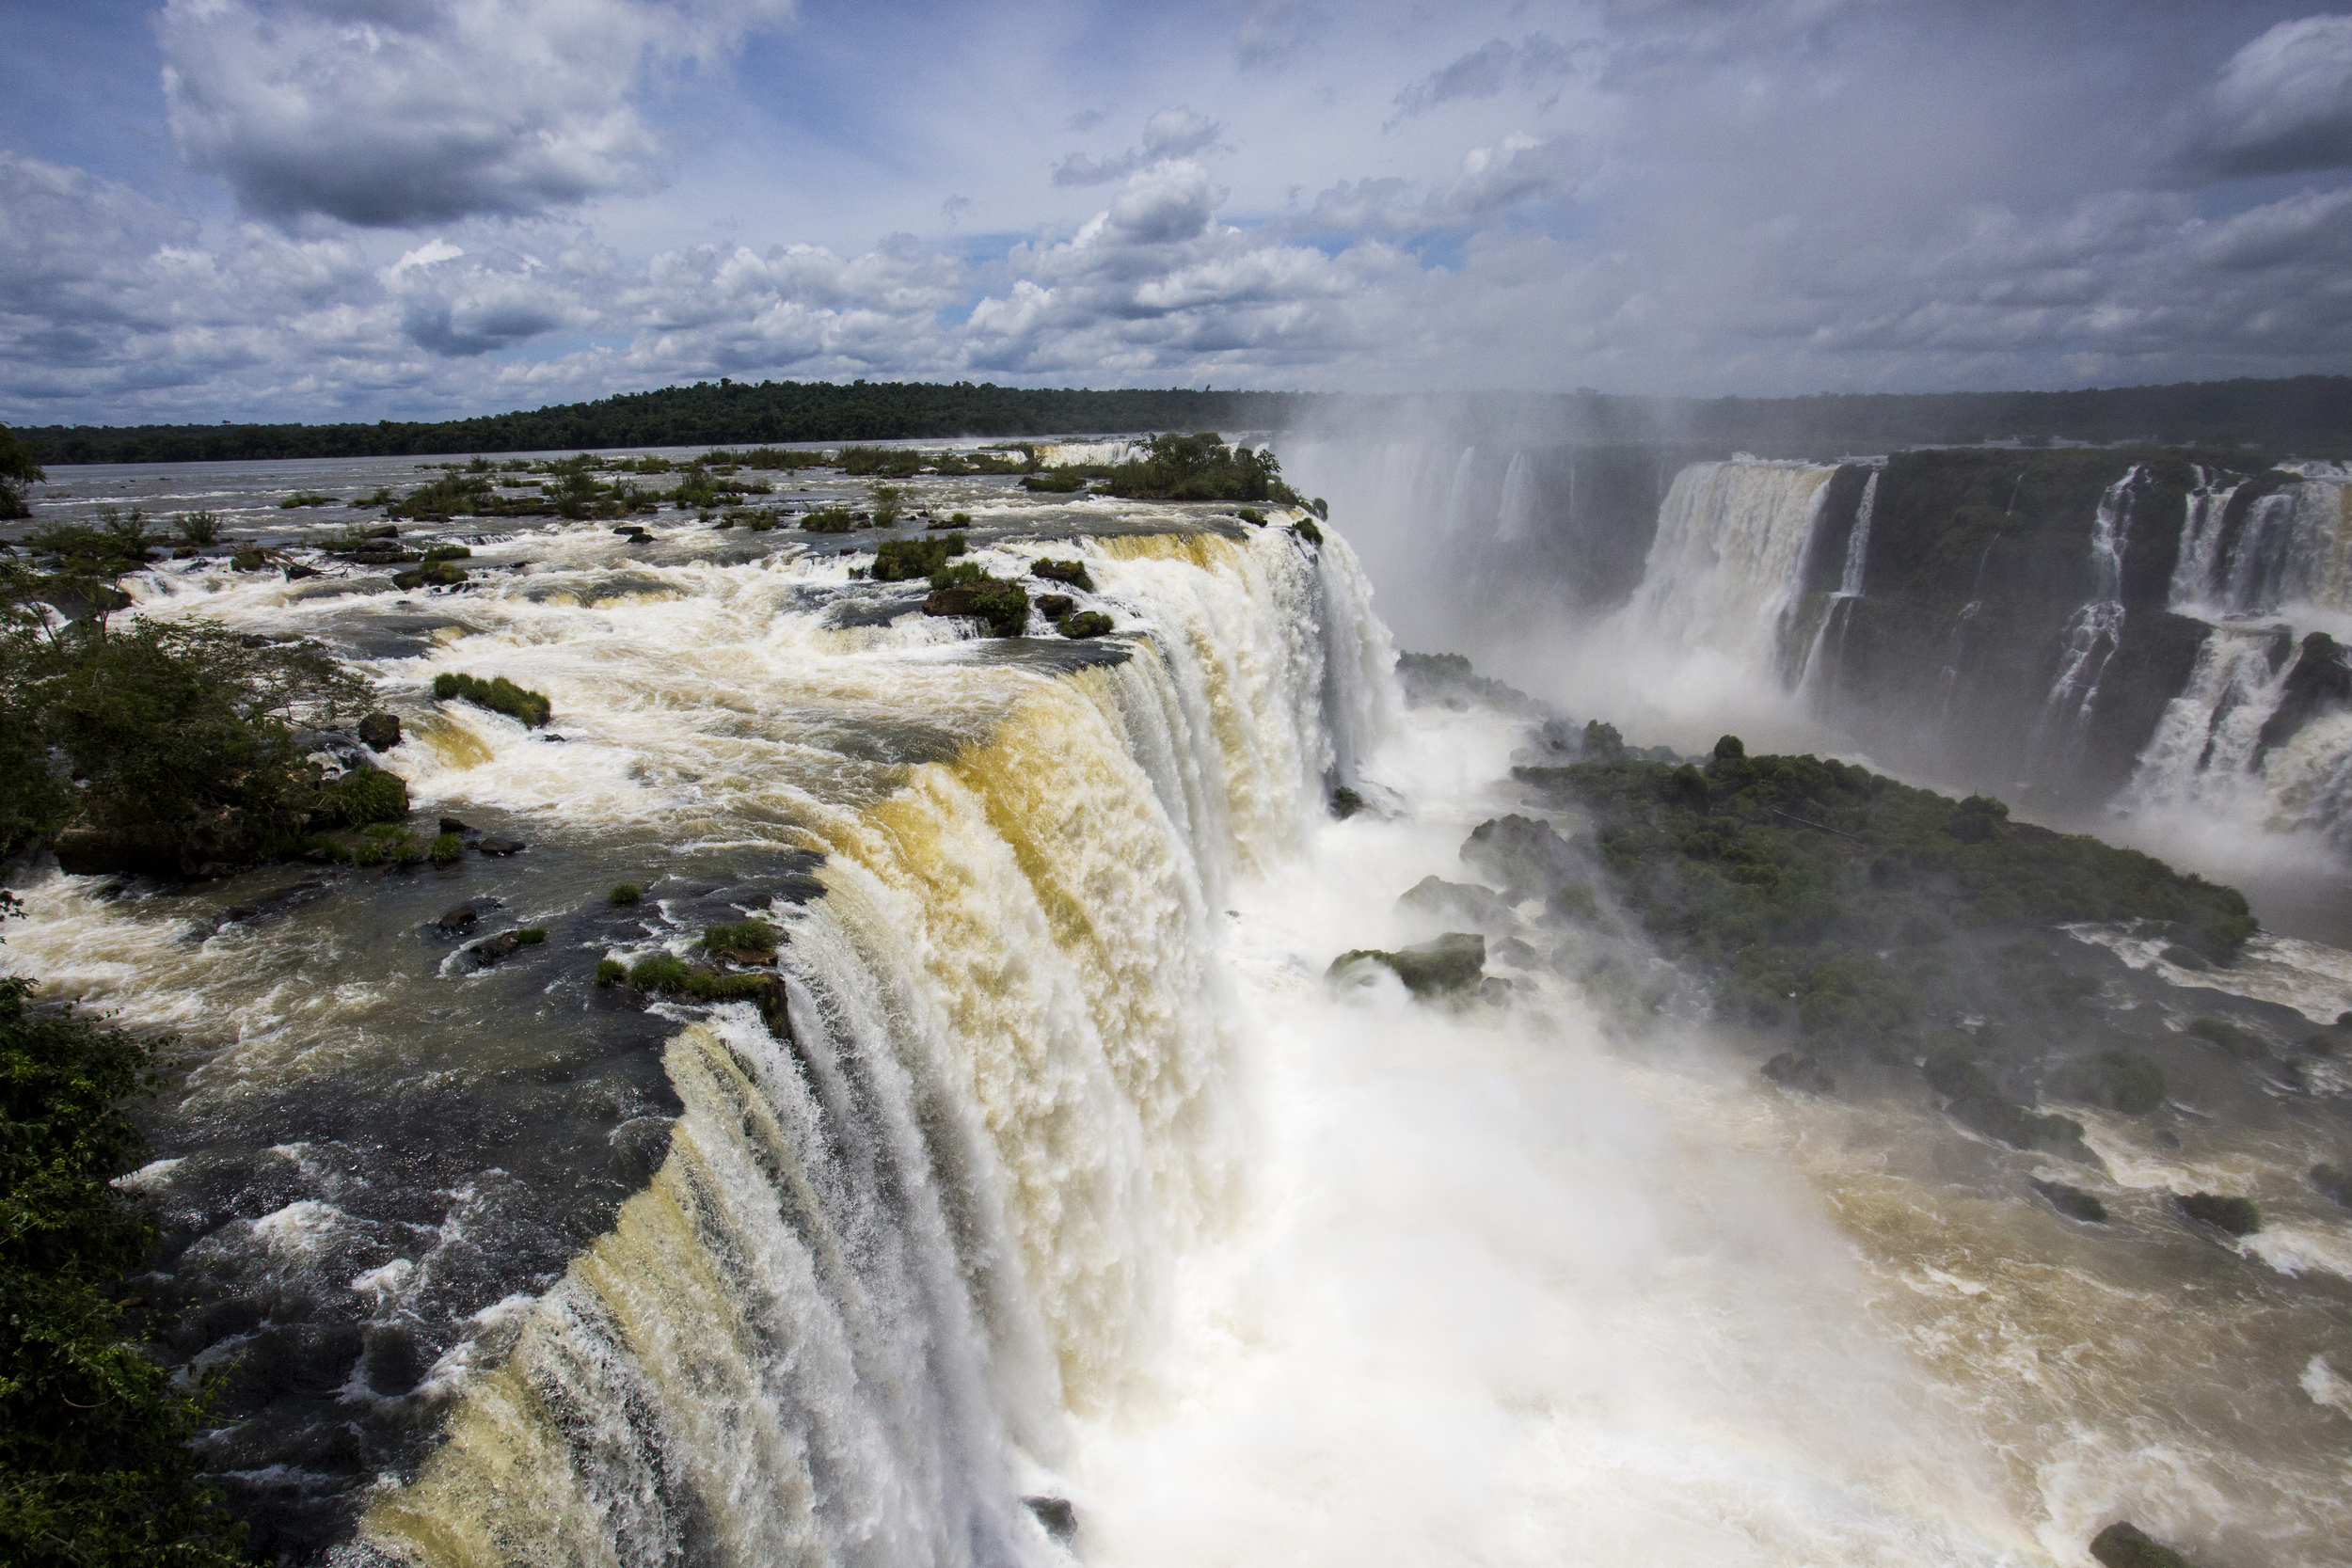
(322, 210)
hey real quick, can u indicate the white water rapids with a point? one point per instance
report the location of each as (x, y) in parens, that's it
(1078, 1180)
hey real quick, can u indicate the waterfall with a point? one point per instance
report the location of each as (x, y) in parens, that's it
(1515, 520)
(1838, 614)
(2294, 548)
(2204, 749)
(1725, 569)
(2096, 629)
(1457, 498)
(886, 1252)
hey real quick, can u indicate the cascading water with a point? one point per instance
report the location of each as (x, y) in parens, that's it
(1836, 619)
(1073, 1175)
(2096, 631)
(1725, 571)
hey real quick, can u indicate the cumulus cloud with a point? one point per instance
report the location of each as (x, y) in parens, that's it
(1519, 169)
(396, 113)
(1532, 63)
(1176, 132)
(2283, 103)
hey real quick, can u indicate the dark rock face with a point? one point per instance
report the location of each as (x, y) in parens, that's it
(2114, 1079)
(1979, 568)
(210, 845)
(2072, 1202)
(1059, 1519)
(380, 731)
(1522, 854)
(496, 844)
(1055, 605)
(1793, 1070)
(2124, 1545)
(1453, 964)
(462, 918)
(2320, 683)
(1465, 902)
(2236, 1215)
(450, 825)
(2334, 1183)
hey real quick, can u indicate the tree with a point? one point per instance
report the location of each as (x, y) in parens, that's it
(17, 469)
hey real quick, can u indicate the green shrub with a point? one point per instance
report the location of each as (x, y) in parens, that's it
(95, 1459)
(963, 574)
(1305, 528)
(500, 695)
(892, 462)
(530, 936)
(960, 519)
(625, 892)
(754, 936)
(661, 972)
(1085, 624)
(886, 501)
(247, 561)
(1071, 572)
(903, 559)
(1201, 467)
(611, 971)
(1055, 481)
(446, 849)
(309, 497)
(369, 851)
(448, 552)
(358, 799)
(1251, 515)
(437, 574)
(829, 520)
(198, 528)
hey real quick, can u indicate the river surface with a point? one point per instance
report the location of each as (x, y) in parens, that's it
(1076, 1178)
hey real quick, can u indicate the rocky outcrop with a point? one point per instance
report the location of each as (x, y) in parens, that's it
(1452, 965)
(2124, 1545)
(1527, 857)
(2238, 1216)
(379, 731)
(212, 843)
(2320, 683)
(2072, 1202)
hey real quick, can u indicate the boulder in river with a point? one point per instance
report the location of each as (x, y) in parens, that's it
(2123, 1544)
(1794, 1070)
(496, 844)
(2072, 1202)
(2334, 1183)
(379, 731)
(2236, 1215)
(463, 918)
(1453, 963)
(1059, 1519)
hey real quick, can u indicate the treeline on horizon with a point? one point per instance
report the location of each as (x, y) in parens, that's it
(2298, 416)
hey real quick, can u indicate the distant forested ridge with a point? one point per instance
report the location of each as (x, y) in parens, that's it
(2308, 415)
(721, 413)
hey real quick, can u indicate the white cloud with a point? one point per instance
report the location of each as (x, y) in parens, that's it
(1176, 132)
(394, 113)
(2283, 103)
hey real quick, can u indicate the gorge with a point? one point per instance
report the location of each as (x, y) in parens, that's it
(1069, 1208)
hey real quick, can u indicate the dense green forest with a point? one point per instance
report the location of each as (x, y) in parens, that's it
(2305, 416)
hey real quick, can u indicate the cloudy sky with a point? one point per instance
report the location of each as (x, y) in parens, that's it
(339, 209)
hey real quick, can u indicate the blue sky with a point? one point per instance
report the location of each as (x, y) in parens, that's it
(339, 209)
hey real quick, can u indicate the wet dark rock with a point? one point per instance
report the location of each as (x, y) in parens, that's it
(555, 739)
(2335, 1184)
(1520, 853)
(1794, 1070)
(496, 844)
(380, 730)
(1465, 902)
(1059, 1519)
(2124, 1545)
(1975, 1100)
(2242, 1043)
(1495, 991)
(2072, 1202)
(2236, 1215)
(1345, 803)
(1086, 624)
(210, 845)
(2320, 683)
(749, 957)
(505, 945)
(1453, 963)
(462, 918)
(450, 825)
(295, 572)
(2185, 958)
(1055, 605)
(2114, 1079)
(1512, 951)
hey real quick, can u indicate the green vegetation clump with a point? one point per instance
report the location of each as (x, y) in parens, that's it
(18, 468)
(667, 976)
(625, 892)
(359, 798)
(750, 936)
(95, 1459)
(447, 849)
(829, 520)
(1863, 906)
(439, 573)
(2240, 1042)
(309, 497)
(611, 971)
(1057, 481)
(499, 694)
(2115, 1079)
(1305, 528)
(905, 559)
(887, 502)
(530, 936)
(1453, 964)
(1071, 572)
(1084, 624)
(892, 462)
(448, 552)
(198, 528)
(964, 590)
(1201, 467)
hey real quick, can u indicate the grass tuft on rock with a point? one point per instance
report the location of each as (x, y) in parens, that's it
(498, 694)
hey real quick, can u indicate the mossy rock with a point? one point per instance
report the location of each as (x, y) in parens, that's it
(1453, 964)
(2242, 1043)
(437, 574)
(379, 731)
(1071, 572)
(1794, 1070)
(498, 694)
(1003, 606)
(750, 936)
(905, 559)
(2114, 1079)
(1086, 624)
(2236, 1215)
(2072, 1202)
(361, 798)
(625, 892)
(2124, 1545)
